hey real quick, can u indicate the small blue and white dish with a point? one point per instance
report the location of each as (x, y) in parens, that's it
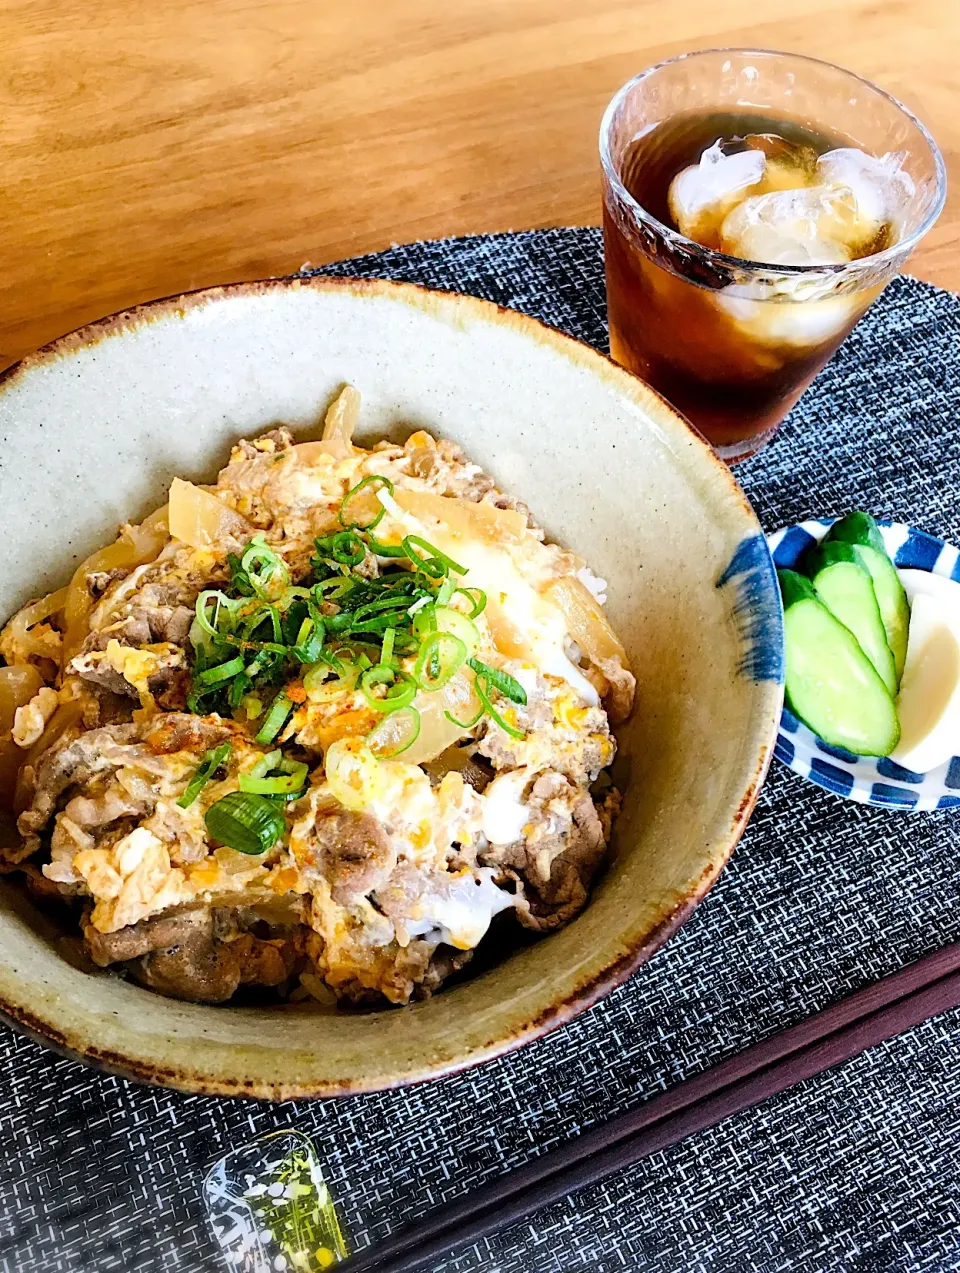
(867, 779)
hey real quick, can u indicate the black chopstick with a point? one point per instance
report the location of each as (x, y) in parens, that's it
(827, 1038)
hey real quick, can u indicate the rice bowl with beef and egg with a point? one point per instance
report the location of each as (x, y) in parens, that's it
(310, 730)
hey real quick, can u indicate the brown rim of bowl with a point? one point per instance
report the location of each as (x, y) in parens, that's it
(597, 986)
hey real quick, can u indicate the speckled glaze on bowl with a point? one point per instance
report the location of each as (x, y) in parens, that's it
(96, 425)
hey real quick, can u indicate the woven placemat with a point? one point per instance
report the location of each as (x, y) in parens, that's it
(856, 1170)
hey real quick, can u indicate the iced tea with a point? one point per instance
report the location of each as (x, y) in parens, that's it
(742, 245)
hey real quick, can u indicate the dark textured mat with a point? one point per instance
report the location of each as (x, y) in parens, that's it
(856, 1170)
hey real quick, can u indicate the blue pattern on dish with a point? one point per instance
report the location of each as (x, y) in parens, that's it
(831, 776)
(868, 780)
(889, 793)
(785, 750)
(890, 769)
(919, 551)
(757, 610)
(838, 753)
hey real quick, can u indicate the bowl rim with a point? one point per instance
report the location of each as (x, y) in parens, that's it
(619, 968)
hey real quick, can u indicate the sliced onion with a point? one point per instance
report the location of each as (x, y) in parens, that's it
(149, 537)
(199, 519)
(136, 546)
(20, 645)
(585, 620)
(17, 687)
(465, 517)
(340, 422)
(395, 734)
(437, 731)
(65, 717)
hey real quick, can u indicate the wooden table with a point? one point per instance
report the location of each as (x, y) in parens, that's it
(152, 148)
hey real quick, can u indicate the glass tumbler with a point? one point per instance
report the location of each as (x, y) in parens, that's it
(732, 343)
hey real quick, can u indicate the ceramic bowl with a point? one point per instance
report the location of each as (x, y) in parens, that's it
(873, 780)
(97, 424)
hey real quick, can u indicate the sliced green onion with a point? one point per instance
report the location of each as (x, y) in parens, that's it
(401, 688)
(465, 724)
(331, 589)
(265, 570)
(345, 547)
(386, 550)
(436, 564)
(209, 765)
(478, 602)
(348, 548)
(294, 594)
(344, 516)
(245, 822)
(222, 672)
(237, 690)
(449, 620)
(275, 718)
(238, 576)
(309, 641)
(482, 688)
(379, 609)
(252, 705)
(425, 621)
(440, 656)
(294, 780)
(389, 640)
(256, 618)
(503, 682)
(266, 762)
(395, 733)
(220, 602)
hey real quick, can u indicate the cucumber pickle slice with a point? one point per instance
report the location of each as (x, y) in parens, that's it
(831, 684)
(862, 531)
(845, 586)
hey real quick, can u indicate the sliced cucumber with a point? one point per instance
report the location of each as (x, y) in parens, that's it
(831, 684)
(862, 531)
(845, 586)
(856, 528)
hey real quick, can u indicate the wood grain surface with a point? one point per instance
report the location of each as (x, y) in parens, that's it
(149, 148)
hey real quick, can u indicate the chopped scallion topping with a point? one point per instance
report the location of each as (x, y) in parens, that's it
(401, 689)
(482, 687)
(353, 504)
(211, 762)
(245, 822)
(503, 682)
(275, 718)
(441, 654)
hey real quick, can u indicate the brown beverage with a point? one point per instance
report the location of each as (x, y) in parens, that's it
(732, 357)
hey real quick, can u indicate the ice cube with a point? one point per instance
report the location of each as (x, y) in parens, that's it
(705, 191)
(879, 185)
(790, 164)
(776, 327)
(809, 226)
